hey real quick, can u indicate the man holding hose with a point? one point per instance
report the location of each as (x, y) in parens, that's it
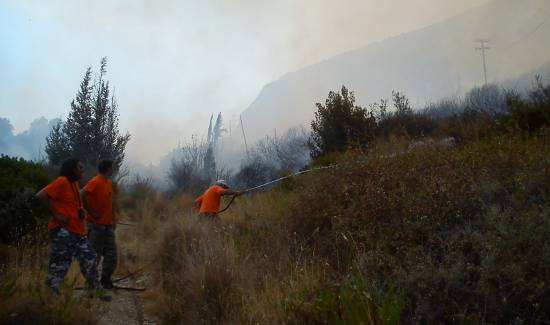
(208, 203)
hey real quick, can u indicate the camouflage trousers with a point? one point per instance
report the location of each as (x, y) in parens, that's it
(102, 238)
(64, 246)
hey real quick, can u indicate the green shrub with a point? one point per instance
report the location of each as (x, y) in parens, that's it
(19, 213)
(339, 123)
(349, 301)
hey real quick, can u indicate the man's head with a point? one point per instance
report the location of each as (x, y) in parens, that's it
(221, 183)
(72, 168)
(105, 167)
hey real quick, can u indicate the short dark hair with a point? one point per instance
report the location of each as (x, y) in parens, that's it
(68, 169)
(105, 165)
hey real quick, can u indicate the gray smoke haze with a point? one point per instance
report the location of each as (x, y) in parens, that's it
(428, 64)
(173, 63)
(28, 144)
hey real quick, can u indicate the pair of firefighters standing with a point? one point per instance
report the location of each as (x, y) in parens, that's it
(82, 225)
(83, 222)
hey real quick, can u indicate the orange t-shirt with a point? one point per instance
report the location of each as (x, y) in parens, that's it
(210, 200)
(65, 199)
(99, 192)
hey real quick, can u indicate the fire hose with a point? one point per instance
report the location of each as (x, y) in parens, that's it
(275, 181)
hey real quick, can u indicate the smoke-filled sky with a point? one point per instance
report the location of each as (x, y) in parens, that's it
(173, 63)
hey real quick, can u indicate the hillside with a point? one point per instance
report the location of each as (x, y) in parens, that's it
(428, 64)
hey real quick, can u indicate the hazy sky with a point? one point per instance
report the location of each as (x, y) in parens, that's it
(173, 63)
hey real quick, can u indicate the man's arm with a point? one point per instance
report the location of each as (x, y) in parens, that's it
(46, 201)
(86, 205)
(231, 192)
(198, 202)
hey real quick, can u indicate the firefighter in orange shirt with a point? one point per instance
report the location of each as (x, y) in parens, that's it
(67, 230)
(97, 196)
(208, 203)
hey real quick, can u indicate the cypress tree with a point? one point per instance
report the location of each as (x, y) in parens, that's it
(91, 131)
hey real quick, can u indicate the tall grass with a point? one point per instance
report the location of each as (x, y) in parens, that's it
(24, 297)
(433, 234)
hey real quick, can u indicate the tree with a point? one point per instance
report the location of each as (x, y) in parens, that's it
(209, 167)
(57, 145)
(214, 134)
(91, 131)
(339, 123)
(288, 152)
(194, 165)
(217, 131)
(186, 172)
(403, 120)
(274, 156)
(401, 104)
(488, 99)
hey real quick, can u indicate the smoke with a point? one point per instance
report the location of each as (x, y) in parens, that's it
(173, 63)
(28, 144)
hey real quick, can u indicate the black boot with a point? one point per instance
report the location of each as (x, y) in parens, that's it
(107, 283)
(100, 294)
(95, 291)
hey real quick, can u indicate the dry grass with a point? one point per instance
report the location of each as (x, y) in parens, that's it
(412, 238)
(433, 234)
(25, 299)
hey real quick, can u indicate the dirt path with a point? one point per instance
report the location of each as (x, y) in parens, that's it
(126, 307)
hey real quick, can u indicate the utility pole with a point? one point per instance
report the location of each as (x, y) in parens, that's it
(244, 137)
(483, 48)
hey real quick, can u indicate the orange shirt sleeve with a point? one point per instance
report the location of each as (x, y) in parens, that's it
(54, 189)
(91, 185)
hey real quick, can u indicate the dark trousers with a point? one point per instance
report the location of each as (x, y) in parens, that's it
(209, 216)
(102, 238)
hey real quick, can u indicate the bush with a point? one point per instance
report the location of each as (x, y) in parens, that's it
(468, 126)
(351, 301)
(254, 173)
(203, 271)
(272, 157)
(460, 231)
(529, 114)
(339, 123)
(19, 213)
(193, 167)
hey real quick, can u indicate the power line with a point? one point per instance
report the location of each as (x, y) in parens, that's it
(483, 48)
(531, 32)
